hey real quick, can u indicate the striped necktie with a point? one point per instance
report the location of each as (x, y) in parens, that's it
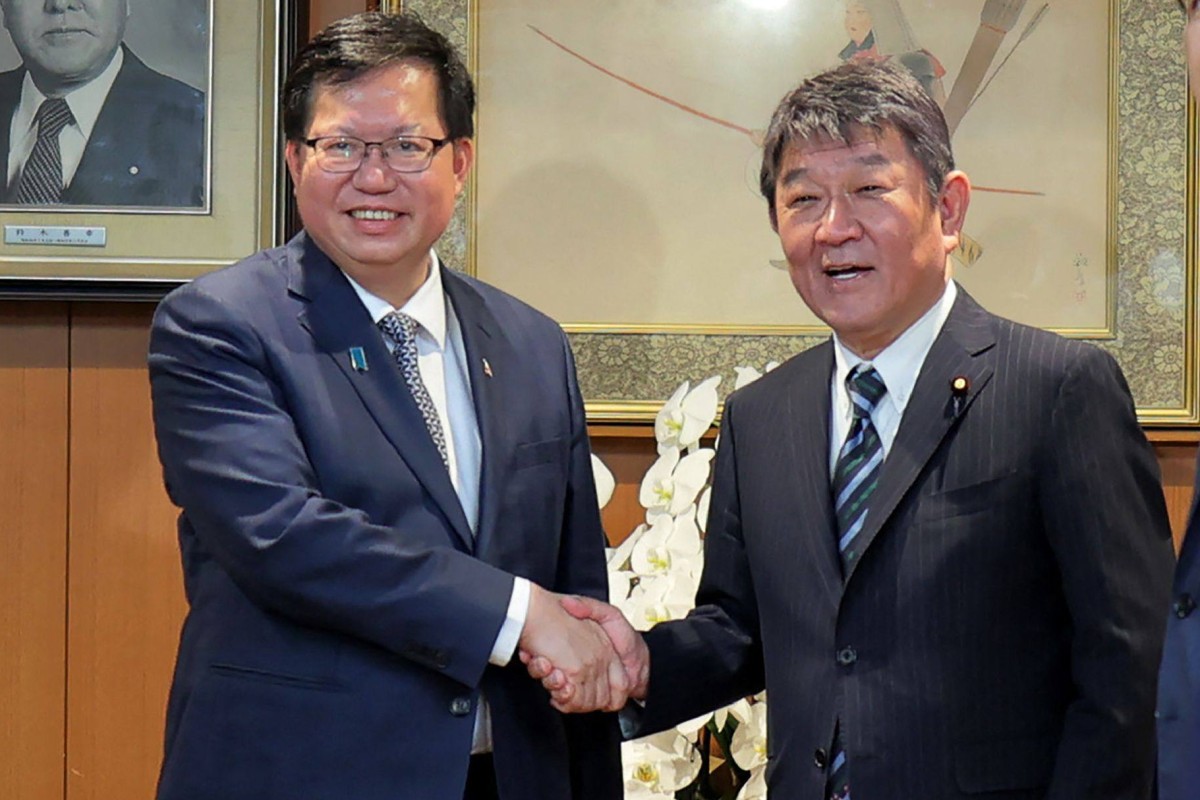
(855, 476)
(42, 178)
(857, 470)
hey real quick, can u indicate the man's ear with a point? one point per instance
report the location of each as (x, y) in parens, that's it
(953, 201)
(294, 159)
(464, 157)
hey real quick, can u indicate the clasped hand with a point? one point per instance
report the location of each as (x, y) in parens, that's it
(585, 653)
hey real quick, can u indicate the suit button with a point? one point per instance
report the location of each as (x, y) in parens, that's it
(846, 656)
(460, 706)
(1184, 606)
(821, 758)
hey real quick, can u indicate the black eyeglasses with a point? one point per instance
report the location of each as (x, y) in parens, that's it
(401, 154)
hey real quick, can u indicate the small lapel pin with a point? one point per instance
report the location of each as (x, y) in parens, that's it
(487, 368)
(358, 359)
(959, 386)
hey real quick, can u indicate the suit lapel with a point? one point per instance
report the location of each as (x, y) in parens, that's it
(808, 417)
(931, 411)
(491, 365)
(338, 322)
(10, 97)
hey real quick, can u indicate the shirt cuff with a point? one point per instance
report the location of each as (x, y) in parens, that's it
(514, 622)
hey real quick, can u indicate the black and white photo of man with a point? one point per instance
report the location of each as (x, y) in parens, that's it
(85, 122)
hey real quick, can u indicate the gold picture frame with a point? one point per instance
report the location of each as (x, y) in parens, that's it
(1150, 306)
(149, 250)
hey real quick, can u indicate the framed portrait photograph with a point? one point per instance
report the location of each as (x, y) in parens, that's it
(619, 147)
(138, 141)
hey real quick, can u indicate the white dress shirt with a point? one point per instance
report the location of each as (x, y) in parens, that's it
(442, 361)
(85, 104)
(898, 365)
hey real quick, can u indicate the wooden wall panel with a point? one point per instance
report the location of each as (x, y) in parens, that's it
(33, 548)
(323, 12)
(124, 588)
(1177, 458)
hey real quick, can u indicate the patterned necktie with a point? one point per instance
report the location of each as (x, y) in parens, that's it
(857, 470)
(402, 330)
(855, 477)
(42, 179)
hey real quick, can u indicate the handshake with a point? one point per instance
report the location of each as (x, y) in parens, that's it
(584, 652)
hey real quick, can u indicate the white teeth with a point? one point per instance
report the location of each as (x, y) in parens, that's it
(371, 213)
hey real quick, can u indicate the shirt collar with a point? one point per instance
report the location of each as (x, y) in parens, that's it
(427, 305)
(85, 102)
(900, 362)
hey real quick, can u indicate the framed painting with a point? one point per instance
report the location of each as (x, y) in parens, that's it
(165, 166)
(618, 154)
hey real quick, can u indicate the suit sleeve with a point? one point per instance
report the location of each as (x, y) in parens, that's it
(713, 656)
(581, 567)
(235, 463)
(1104, 512)
(593, 740)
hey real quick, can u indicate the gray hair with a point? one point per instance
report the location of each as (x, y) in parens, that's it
(842, 102)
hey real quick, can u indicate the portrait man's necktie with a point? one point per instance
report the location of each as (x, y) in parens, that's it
(402, 330)
(42, 178)
(854, 479)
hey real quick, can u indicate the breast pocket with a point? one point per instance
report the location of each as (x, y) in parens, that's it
(551, 452)
(989, 494)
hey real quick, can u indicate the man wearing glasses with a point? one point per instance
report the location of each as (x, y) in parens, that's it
(383, 474)
(1179, 679)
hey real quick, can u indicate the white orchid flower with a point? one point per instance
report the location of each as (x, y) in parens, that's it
(756, 786)
(746, 375)
(652, 554)
(748, 748)
(670, 543)
(702, 504)
(672, 483)
(661, 598)
(619, 584)
(617, 557)
(687, 415)
(693, 726)
(657, 766)
(739, 710)
(605, 482)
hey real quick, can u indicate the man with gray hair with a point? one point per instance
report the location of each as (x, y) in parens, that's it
(937, 540)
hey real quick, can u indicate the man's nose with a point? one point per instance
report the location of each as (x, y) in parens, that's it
(838, 223)
(373, 174)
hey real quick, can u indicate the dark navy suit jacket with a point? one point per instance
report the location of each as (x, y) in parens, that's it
(1000, 634)
(146, 149)
(1179, 680)
(341, 613)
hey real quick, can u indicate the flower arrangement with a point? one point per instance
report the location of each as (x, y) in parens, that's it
(653, 576)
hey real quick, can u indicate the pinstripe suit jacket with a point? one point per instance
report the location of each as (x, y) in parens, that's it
(1000, 633)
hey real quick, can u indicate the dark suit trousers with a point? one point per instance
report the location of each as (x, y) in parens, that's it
(481, 779)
